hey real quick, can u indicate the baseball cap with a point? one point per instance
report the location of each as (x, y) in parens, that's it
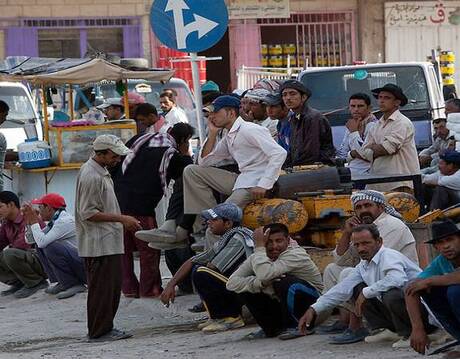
(111, 102)
(223, 101)
(110, 142)
(273, 99)
(228, 211)
(451, 157)
(53, 200)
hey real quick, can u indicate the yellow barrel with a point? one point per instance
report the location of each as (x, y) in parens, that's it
(405, 204)
(275, 50)
(448, 80)
(264, 50)
(289, 49)
(276, 210)
(293, 61)
(447, 68)
(275, 61)
(447, 56)
(265, 61)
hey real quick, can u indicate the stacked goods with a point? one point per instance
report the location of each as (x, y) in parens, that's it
(453, 124)
(447, 65)
(277, 55)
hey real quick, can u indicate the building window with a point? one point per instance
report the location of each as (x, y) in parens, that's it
(62, 43)
(108, 40)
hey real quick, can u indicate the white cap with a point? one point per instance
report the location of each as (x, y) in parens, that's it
(110, 142)
(111, 102)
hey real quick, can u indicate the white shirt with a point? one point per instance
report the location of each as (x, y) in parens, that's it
(388, 269)
(437, 179)
(258, 156)
(175, 115)
(63, 229)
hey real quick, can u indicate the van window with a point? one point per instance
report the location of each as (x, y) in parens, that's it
(21, 108)
(332, 89)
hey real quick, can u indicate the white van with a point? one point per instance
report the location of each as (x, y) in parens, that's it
(22, 111)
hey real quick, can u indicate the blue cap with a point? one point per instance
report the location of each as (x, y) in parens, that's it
(228, 211)
(451, 157)
(223, 101)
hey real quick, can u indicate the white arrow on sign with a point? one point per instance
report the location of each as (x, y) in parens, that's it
(201, 24)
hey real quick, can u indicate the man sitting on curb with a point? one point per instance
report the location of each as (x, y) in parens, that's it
(376, 286)
(20, 266)
(57, 245)
(439, 287)
(212, 268)
(277, 283)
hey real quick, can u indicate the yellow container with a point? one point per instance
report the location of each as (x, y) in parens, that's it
(293, 61)
(447, 56)
(275, 50)
(265, 61)
(404, 203)
(448, 80)
(276, 61)
(447, 68)
(289, 49)
(264, 50)
(323, 206)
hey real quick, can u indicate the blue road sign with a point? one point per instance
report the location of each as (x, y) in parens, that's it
(189, 25)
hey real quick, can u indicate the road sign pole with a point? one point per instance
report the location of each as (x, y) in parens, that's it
(198, 98)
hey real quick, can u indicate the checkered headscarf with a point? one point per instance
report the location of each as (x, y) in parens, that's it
(377, 197)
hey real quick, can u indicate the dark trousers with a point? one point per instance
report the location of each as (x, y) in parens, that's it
(174, 259)
(104, 289)
(275, 315)
(20, 266)
(219, 302)
(444, 302)
(62, 264)
(149, 283)
(443, 198)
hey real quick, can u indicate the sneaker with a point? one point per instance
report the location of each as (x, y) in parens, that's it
(12, 289)
(290, 333)
(156, 235)
(70, 292)
(25, 292)
(166, 246)
(336, 328)
(198, 245)
(382, 336)
(350, 336)
(221, 325)
(55, 289)
(197, 308)
(111, 336)
(206, 323)
(402, 343)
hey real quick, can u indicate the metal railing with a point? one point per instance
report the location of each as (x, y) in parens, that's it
(248, 76)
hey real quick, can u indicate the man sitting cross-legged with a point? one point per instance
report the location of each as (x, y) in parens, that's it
(211, 269)
(376, 286)
(277, 283)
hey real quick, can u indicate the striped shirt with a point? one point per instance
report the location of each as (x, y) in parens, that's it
(2, 158)
(229, 252)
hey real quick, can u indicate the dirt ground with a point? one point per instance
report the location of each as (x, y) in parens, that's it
(44, 327)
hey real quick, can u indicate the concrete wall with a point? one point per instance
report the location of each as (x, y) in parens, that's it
(323, 5)
(371, 30)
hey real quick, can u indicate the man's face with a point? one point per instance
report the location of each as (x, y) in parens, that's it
(219, 226)
(245, 105)
(293, 99)
(440, 129)
(359, 109)
(109, 159)
(6, 209)
(365, 244)
(3, 116)
(368, 211)
(449, 247)
(451, 108)
(166, 104)
(113, 113)
(276, 244)
(221, 118)
(257, 111)
(46, 212)
(143, 122)
(276, 112)
(387, 102)
(447, 169)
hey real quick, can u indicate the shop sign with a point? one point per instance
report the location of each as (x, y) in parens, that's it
(422, 13)
(253, 9)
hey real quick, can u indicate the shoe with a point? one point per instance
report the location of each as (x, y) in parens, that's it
(260, 334)
(156, 235)
(205, 324)
(222, 325)
(111, 336)
(71, 291)
(25, 292)
(402, 343)
(336, 328)
(198, 308)
(55, 289)
(165, 246)
(439, 337)
(382, 336)
(198, 245)
(12, 289)
(291, 333)
(350, 336)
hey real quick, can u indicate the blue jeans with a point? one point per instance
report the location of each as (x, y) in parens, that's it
(444, 302)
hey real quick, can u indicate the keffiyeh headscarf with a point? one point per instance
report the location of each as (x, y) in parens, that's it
(377, 197)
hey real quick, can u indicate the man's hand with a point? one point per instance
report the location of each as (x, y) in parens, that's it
(30, 215)
(419, 340)
(168, 295)
(359, 305)
(131, 224)
(424, 160)
(353, 125)
(261, 237)
(306, 321)
(258, 192)
(350, 223)
(212, 128)
(355, 154)
(418, 285)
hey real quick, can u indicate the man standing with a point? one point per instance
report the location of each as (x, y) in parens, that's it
(439, 287)
(113, 109)
(99, 224)
(390, 146)
(20, 266)
(357, 128)
(171, 112)
(311, 136)
(4, 109)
